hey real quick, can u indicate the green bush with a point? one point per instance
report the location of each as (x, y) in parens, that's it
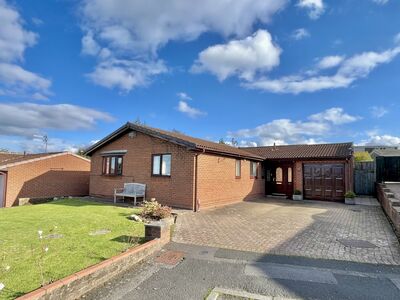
(155, 211)
(297, 192)
(350, 195)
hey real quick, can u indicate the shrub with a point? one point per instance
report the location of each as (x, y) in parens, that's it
(350, 195)
(155, 211)
(297, 192)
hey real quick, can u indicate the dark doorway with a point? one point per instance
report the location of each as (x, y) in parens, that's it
(279, 179)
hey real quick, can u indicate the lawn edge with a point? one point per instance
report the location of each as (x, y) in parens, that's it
(77, 284)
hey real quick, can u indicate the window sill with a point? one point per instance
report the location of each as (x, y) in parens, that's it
(167, 176)
(112, 176)
(238, 177)
(253, 177)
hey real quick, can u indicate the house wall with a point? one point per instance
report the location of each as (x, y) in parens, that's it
(349, 167)
(217, 184)
(63, 175)
(176, 190)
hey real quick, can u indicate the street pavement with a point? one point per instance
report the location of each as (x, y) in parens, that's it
(206, 271)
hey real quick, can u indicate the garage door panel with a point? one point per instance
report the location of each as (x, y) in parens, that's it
(324, 181)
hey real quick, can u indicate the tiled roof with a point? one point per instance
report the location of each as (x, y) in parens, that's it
(177, 138)
(12, 158)
(387, 152)
(6, 156)
(339, 150)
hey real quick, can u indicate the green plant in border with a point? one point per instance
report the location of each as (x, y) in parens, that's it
(350, 195)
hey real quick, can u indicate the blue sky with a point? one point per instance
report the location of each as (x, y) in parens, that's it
(263, 72)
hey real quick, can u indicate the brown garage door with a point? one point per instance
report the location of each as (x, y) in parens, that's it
(324, 181)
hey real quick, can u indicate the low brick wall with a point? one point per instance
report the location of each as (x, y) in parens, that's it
(80, 283)
(390, 205)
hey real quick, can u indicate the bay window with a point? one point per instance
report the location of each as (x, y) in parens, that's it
(112, 165)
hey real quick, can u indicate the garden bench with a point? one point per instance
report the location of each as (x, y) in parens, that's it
(132, 190)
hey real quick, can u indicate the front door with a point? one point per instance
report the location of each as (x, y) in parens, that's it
(279, 179)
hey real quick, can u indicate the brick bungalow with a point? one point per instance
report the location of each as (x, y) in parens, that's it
(187, 172)
(26, 177)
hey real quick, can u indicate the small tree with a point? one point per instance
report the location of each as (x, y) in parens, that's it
(221, 141)
(234, 142)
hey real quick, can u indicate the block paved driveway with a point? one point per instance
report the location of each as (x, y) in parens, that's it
(312, 229)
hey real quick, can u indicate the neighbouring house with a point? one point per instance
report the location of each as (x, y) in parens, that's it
(28, 177)
(187, 172)
(372, 148)
(387, 162)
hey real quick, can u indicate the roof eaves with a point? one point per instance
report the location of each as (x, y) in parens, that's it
(10, 165)
(106, 139)
(230, 154)
(163, 136)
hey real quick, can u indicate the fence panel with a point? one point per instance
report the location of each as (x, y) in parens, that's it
(364, 178)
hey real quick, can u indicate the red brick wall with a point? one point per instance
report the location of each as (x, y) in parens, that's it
(176, 190)
(62, 175)
(348, 169)
(217, 185)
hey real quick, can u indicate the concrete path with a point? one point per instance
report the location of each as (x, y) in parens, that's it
(313, 229)
(230, 274)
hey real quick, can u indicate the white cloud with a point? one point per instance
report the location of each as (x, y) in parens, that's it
(23, 82)
(125, 74)
(14, 39)
(397, 38)
(315, 7)
(37, 21)
(136, 30)
(378, 111)
(183, 96)
(240, 57)
(335, 115)
(349, 70)
(328, 62)
(89, 45)
(380, 2)
(300, 33)
(148, 25)
(28, 119)
(192, 112)
(384, 140)
(286, 131)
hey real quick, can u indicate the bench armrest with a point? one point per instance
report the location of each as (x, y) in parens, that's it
(118, 190)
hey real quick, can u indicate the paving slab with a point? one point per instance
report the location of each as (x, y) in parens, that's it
(313, 229)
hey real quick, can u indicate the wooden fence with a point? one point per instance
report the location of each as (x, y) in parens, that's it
(364, 178)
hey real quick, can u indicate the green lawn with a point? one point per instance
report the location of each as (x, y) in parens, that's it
(75, 220)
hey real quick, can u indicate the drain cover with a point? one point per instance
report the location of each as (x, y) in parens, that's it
(170, 258)
(357, 243)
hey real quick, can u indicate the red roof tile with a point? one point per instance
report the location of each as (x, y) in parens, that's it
(338, 150)
(12, 158)
(177, 138)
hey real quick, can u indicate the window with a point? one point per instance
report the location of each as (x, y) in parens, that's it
(161, 165)
(253, 169)
(268, 175)
(238, 168)
(278, 175)
(112, 165)
(289, 175)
